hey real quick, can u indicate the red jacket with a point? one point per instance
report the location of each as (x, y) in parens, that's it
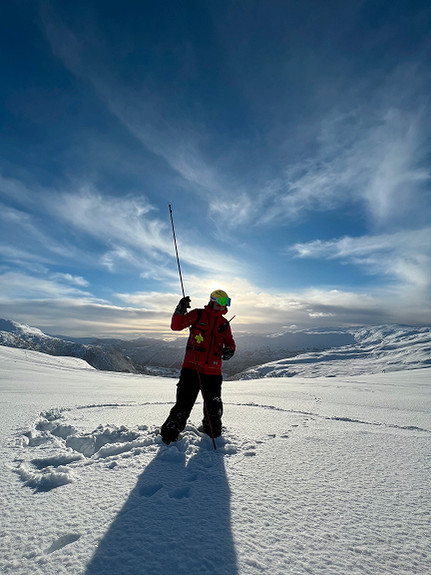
(206, 343)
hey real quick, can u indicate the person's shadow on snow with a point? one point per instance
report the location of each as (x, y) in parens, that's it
(176, 521)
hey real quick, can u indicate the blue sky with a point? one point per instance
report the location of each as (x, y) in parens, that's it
(293, 140)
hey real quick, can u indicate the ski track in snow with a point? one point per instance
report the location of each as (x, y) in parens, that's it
(336, 418)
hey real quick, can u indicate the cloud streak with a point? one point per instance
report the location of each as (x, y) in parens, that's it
(18, 285)
(126, 231)
(404, 255)
(156, 122)
(135, 236)
(378, 168)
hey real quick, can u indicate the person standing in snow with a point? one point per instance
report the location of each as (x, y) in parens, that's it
(210, 341)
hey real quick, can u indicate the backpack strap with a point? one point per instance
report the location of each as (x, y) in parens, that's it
(194, 324)
(198, 317)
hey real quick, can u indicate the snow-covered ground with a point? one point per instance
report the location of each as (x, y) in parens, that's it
(311, 476)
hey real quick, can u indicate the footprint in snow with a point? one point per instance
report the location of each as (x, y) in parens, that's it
(180, 493)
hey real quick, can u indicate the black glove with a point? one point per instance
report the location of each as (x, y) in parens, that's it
(183, 305)
(227, 353)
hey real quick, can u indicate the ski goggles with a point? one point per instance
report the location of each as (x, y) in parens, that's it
(223, 301)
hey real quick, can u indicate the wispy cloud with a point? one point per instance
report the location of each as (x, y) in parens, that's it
(73, 280)
(367, 152)
(134, 235)
(13, 189)
(378, 167)
(404, 255)
(80, 224)
(153, 117)
(122, 225)
(29, 239)
(19, 285)
(150, 300)
(78, 318)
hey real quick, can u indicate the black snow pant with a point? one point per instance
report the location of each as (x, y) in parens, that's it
(187, 392)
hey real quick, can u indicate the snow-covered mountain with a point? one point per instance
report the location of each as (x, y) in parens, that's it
(160, 357)
(374, 350)
(15, 334)
(311, 353)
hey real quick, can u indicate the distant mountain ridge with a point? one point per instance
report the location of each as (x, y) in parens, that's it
(309, 353)
(375, 349)
(15, 334)
(159, 357)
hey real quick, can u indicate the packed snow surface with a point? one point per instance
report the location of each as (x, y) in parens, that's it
(311, 476)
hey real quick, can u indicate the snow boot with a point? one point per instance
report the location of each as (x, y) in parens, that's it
(215, 412)
(215, 425)
(169, 432)
(172, 427)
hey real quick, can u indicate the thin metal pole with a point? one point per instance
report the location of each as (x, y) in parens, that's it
(176, 250)
(190, 329)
